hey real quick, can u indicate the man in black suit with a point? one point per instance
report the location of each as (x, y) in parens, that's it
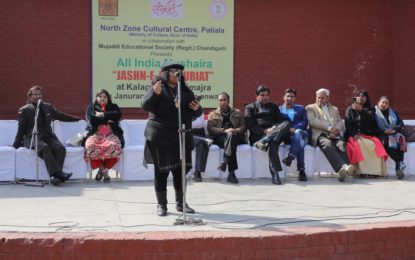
(267, 128)
(50, 148)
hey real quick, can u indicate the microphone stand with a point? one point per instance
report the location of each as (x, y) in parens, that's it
(183, 219)
(35, 139)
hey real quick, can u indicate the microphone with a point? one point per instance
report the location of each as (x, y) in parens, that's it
(178, 73)
(38, 102)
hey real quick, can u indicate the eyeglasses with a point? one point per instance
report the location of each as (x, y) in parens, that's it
(173, 70)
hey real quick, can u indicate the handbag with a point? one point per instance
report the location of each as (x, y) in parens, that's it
(409, 133)
(76, 140)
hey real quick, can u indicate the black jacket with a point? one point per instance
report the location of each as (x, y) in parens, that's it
(257, 122)
(363, 122)
(162, 125)
(112, 112)
(26, 119)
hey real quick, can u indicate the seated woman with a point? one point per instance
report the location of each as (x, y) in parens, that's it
(364, 149)
(104, 142)
(392, 138)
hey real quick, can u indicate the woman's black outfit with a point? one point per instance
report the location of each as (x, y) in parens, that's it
(162, 140)
(360, 122)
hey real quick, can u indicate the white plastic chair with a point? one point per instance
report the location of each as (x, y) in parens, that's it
(26, 165)
(74, 160)
(261, 163)
(245, 162)
(133, 152)
(8, 130)
(212, 163)
(309, 161)
(323, 165)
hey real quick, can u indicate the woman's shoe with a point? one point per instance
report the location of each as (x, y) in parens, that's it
(189, 210)
(107, 177)
(99, 175)
(232, 177)
(161, 210)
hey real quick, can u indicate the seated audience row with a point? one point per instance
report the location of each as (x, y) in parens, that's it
(371, 134)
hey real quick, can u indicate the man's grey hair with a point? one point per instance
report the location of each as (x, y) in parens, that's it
(324, 91)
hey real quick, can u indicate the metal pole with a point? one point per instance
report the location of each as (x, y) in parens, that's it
(184, 183)
(35, 138)
(183, 219)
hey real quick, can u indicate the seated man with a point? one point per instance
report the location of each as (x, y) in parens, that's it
(49, 147)
(326, 126)
(299, 136)
(226, 127)
(267, 128)
(202, 145)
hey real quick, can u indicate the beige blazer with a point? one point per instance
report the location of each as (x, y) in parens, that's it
(319, 123)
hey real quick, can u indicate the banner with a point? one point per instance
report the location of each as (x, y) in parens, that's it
(131, 39)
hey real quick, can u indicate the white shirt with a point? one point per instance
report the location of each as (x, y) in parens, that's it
(326, 112)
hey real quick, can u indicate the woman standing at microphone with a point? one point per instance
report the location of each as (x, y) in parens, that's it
(162, 137)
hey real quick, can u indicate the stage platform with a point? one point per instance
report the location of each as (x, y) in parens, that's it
(321, 218)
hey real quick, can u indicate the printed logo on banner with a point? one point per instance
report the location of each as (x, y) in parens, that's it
(218, 9)
(167, 8)
(108, 7)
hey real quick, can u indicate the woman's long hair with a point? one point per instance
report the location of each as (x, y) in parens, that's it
(103, 91)
(363, 92)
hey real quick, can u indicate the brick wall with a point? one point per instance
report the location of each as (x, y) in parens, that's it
(46, 43)
(376, 241)
(341, 45)
(404, 57)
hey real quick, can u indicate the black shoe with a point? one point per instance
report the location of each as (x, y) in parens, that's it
(222, 167)
(302, 176)
(63, 176)
(262, 145)
(179, 208)
(107, 178)
(288, 160)
(400, 170)
(197, 176)
(161, 210)
(99, 175)
(161, 203)
(56, 182)
(400, 174)
(232, 177)
(179, 203)
(276, 179)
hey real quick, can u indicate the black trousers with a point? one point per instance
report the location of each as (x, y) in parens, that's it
(160, 180)
(53, 153)
(334, 150)
(202, 153)
(229, 142)
(396, 154)
(274, 139)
